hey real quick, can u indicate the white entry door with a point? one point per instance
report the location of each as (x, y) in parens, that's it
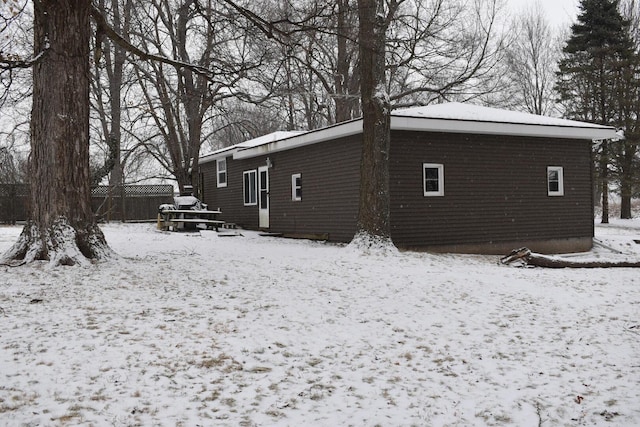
(263, 196)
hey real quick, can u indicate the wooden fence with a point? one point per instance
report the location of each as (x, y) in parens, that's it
(13, 202)
(122, 203)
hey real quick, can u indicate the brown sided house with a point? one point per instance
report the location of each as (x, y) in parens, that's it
(463, 178)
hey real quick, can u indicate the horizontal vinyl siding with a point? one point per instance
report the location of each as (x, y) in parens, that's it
(208, 183)
(495, 189)
(330, 175)
(230, 199)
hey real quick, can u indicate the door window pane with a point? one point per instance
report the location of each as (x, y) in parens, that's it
(264, 190)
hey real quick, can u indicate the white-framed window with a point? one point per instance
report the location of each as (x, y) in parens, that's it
(555, 181)
(221, 172)
(249, 179)
(433, 179)
(296, 187)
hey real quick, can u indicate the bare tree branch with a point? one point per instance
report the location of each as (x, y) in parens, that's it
(9, 63)
(104, 26)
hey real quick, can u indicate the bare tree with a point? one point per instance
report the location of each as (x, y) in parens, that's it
(314, 61)
(16, 28)
(443, 49)
(109, 61)
(328, 55)
(16, 48)
(435, 50)
(531, 62)
(240, 121)
(179, 101)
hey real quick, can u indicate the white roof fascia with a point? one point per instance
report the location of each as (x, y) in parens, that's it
(478, 113)
(589, 131)
(218, 154)
(261, 140)
(353, 127)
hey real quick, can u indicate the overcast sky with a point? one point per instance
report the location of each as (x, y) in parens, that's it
(559, 12)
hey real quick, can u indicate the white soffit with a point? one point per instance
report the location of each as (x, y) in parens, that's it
(501, 128)
(218, 154)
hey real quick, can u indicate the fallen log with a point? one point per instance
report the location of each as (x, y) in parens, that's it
(525, 256)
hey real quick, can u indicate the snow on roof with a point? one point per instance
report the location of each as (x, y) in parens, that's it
(453, 117)
(261, 140)
(270, 137)
(477, 113)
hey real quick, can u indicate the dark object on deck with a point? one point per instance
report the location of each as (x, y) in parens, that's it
(187, 213)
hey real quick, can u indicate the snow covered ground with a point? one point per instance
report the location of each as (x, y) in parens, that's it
(200, 330)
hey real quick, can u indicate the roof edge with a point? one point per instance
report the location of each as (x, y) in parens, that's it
(261, 140)
(425, 124)
(340, 130)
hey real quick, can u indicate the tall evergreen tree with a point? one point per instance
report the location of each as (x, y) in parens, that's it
(593, 78)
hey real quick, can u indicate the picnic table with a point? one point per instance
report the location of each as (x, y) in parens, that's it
(180, 219)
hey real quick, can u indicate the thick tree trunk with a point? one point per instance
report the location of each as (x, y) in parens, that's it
(61, 226)
(625, 199)
(604, 172)
(373, 215)
(627, 178)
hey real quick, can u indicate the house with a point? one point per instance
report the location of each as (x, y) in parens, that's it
(463, 178)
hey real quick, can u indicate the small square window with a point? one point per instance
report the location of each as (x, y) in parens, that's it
(433, 179)
(221, 172)
(555, 181)
(296, 187)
